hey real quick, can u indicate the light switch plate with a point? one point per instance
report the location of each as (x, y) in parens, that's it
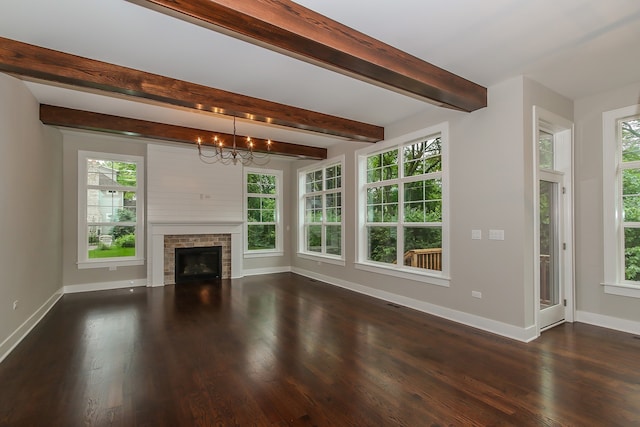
(476, 234)
(496, 234)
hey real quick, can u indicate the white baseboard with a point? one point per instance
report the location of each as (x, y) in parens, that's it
(104, 286)
(23, 330)
(268, 270)
(478, 322)
(609, 322)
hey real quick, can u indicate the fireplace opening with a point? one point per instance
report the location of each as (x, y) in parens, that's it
(198, 264)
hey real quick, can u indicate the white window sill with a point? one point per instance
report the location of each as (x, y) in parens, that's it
(110, 263)
(622, 289)
(263, 254)
(322, 258)
(418, 276)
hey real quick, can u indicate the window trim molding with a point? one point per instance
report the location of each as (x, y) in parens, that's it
(614, 282)
(425, 276)
(263, 253)
(301, 172)
(82, 259)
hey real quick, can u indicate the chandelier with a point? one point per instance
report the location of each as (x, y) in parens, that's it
(232, 155)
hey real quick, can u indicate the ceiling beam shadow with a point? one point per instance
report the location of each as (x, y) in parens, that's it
(86, 120)
(41, 64)
(292, 29)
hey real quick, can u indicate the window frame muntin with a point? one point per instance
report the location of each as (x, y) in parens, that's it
(621, 166)
(302, 223)
(278, 249)
(440, 278)
(613, 242)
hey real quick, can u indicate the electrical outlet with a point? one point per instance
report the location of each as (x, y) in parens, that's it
(15, 305)
(476, 294)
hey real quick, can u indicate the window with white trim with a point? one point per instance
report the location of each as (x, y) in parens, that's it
(263, 190)
(403, 207)
(110, 210)
(621, 171)
(320, 205)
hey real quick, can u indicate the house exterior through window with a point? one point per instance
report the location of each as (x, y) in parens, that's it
(110, 210)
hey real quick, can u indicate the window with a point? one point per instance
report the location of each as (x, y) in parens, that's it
(263, 207)
(621, 171)
(403, 205)
(321, 210)
(546, 156)
(110, 210)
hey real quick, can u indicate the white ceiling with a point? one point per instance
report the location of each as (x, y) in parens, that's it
(575, 47)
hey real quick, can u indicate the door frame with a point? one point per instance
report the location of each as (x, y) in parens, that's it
(563, 131)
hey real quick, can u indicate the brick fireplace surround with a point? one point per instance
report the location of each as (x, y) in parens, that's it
(171, 242)
(163, 238)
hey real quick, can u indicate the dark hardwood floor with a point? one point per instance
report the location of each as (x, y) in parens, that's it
(283, 350)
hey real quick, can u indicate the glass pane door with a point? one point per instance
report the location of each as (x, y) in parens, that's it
(549, 280)
(551, 299)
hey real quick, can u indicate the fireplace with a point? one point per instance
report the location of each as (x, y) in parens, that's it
(164, 237)
(198, 264)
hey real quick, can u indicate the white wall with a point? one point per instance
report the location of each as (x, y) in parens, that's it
(491, 188)
(31, 213)
(592, 302)
(181, 188)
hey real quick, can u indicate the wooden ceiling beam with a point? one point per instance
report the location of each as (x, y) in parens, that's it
(290, 28)
(86, 120)
(25, 60)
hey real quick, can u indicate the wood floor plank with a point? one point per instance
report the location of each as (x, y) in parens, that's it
(284, 350)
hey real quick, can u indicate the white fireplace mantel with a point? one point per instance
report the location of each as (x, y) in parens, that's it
(155, 244)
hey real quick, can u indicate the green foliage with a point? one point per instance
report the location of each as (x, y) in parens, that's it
(103, 246)
(423, 157)
(313, 181)
(261, 237)
(334, 242)
(124, 215)
(382, 244)
(111, 252)
(545, 217)
(382, 166)
(545, 150)
(333, 178)
(126, 173)
(632, 263)
(261, 209)
(314, 238)
(126, 241)
(422, 199)
(422, 238)
(261, 183)
(382, 204)
(630, 133)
